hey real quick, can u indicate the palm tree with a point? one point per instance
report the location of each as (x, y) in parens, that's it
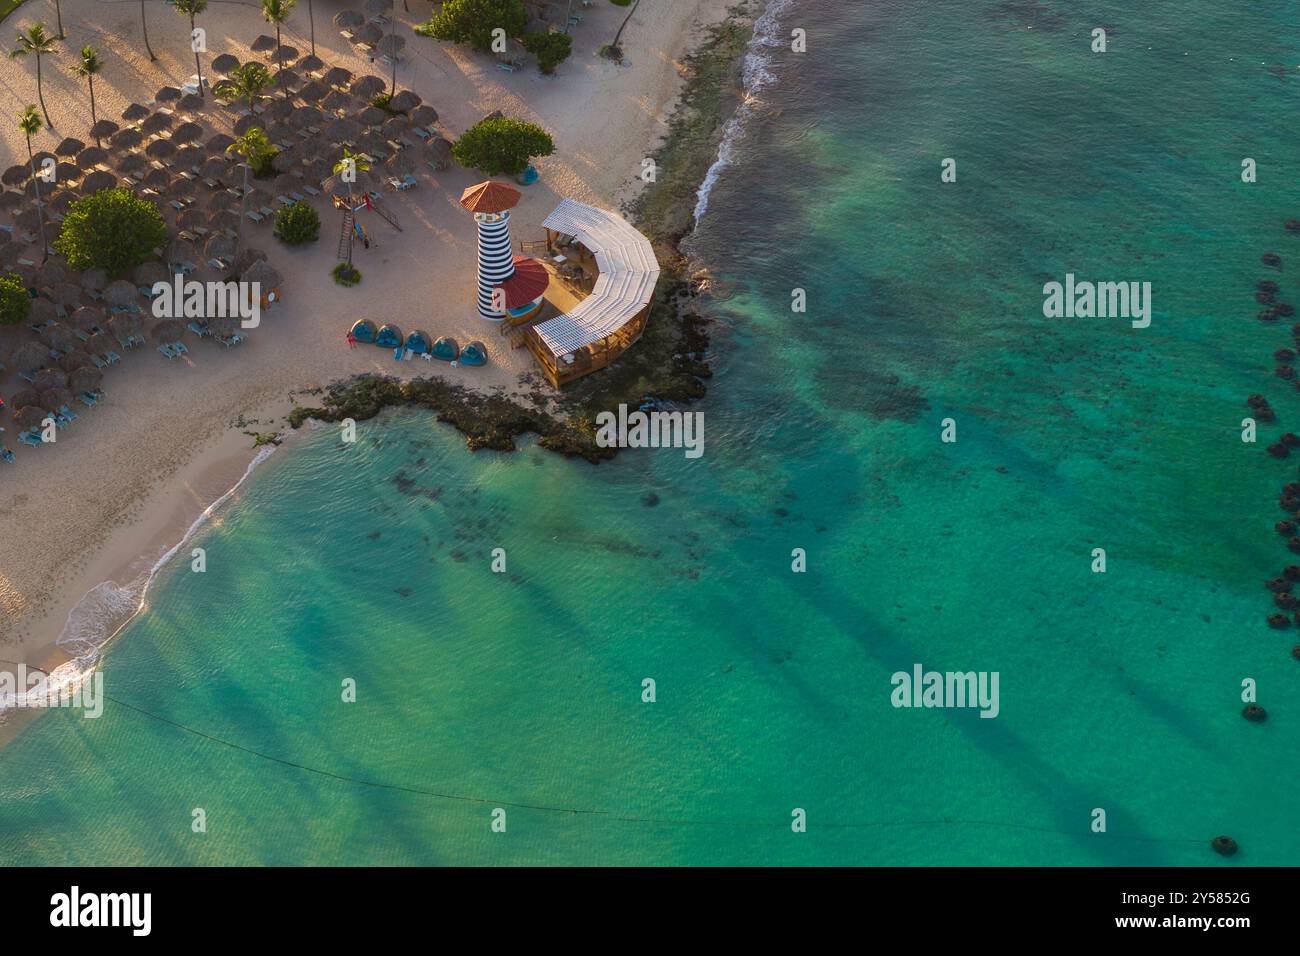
(623, 25)
(88, 67)
(35, 40)
(29, 121)
(277, 12)
(144, 25)
(251, 147)
(192, 8)
(354, 163)
(311, 19)
(245, 82)
(58, 16)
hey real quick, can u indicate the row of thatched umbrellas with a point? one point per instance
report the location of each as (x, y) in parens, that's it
(335, 104)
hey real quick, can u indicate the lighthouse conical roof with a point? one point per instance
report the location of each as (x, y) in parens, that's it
(490, 197)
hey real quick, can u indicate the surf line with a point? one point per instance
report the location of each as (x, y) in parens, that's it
(89, 653)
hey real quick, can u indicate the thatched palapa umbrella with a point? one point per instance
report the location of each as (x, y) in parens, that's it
(55, 398)
(125, 324)
(224, 64)
(218, 144)
(126, 139)
(41, 311)
(262, 44)
(346, 20)
(85, 380)
(135, 112)
(87, 318)
(120, 292)
(338, 75)
(160, 149)
(424, 115)
(147, 273)
(93, 280)
(48, 378)
(30, 356)
(15, 175)
(24, 396)
(31, 416)
(369, 85)
(101, 343)
(437, 152)
(186, 133)
(168, 331)
(98, 180)
(58, 336)
(157, 122)
(168, 94)
(70, 146)
(74, 360)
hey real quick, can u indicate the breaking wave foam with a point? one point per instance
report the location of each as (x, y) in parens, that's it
(757, 75)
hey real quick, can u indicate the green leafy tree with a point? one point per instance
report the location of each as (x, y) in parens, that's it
(472, 21)
(276, 12)
(15, 302)
(89, 66)
(253, 148)
(551, 49)
(113, 230)
(34, 41)
(350, 163)
(297, 223)
(29, 121)
(191, 9)
(248, 82)
(502, 146)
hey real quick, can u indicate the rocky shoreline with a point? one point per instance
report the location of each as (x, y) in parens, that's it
(669, 363)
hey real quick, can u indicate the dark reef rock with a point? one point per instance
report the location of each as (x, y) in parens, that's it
(1254, 713)
(1279, 621)
(1278, 585)
(1285, 528)
(1266, 285)
(1224, 845)
(1278, 450)
(1284, 371)
(1285, 356)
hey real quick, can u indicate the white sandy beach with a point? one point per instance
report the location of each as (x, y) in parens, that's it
(124, 482)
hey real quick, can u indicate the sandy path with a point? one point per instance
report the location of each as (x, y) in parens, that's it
(130, 475)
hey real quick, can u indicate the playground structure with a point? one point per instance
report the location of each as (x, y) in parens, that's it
(351, 228)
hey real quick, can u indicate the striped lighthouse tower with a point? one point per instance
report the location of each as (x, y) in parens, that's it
(491, 203)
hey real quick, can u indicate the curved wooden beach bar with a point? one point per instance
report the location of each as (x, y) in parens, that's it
(598, 330)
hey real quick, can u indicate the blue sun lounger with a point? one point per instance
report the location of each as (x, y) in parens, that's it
(67, 413)
(27, 438)
(6, 454)
(167, 351)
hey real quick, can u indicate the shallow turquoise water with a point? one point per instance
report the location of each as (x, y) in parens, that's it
(523, 690)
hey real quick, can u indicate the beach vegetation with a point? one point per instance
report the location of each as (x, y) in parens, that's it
(29, 122)
(551, 49)
(34, 41)
(191, 9)
(502, 146)
(248, 82)
(297, 224)
(113, 230)
(345, 273)
(15, 301)
(347, 167)
(476, 21)
(89, 66)
(255, 150)
(276, 13)
(384, 101)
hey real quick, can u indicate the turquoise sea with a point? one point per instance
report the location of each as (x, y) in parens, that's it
(523, 690)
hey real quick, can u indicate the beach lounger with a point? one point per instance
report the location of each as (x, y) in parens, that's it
(167, 351)
(180, 348)
(113, 357)
(254, 215)
(6, 454)
(297, 197)
(27, 438)
(67, 413)
(508, 67)
(84, 336)
(199, 330)
(89, 398)
(99, 362)
(311, 190)
(28, 377)
(284, 200)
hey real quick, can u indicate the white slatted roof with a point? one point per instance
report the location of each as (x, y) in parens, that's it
(628, 273)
